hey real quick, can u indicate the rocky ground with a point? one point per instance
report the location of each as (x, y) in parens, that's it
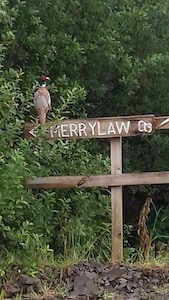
(92, 281)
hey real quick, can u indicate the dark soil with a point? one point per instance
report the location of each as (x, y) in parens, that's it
(93, 281)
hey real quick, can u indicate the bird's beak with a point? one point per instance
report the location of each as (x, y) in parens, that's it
(47, 78)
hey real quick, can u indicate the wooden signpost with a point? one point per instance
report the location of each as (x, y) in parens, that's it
(94, 128)
(113, 128)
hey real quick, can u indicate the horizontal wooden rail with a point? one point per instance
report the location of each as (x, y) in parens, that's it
(53, 182)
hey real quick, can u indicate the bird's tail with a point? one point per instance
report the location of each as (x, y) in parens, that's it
(42, 118)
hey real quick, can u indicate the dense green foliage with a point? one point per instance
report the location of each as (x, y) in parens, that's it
(105, 58)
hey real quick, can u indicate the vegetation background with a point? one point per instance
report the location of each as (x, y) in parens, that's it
(105, 58)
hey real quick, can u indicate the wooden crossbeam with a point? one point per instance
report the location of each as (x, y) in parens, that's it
(53, 182)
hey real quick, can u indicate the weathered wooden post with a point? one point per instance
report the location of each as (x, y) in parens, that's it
(116, 201)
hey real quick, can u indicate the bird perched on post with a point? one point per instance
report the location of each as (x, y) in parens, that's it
(42, 100)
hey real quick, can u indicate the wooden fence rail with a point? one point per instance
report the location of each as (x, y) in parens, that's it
(54, 182)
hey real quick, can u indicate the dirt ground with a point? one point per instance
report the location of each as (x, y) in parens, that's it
(92, 281)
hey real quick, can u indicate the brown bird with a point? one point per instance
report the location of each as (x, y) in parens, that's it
(42, 100)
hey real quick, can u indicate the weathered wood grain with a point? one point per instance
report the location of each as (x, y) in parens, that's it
(116, 202)
(53, 182)
(93, 128)
(162, 122)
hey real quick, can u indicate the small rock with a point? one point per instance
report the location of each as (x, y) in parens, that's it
(26, 280)
(85, 286)
(14, 289)
(91, 275)
(123, 282)
(140, 282)
(69, 286)
(116, 272)
(137, 275)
